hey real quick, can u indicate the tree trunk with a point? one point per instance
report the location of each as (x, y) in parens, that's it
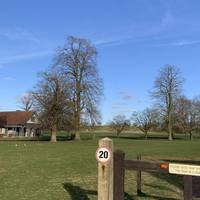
(170, 118)
(185, 135)
(77, 135)
(77, 126)
(170, 128)
(53, 134)
(170, 136)
(118, 132)
(77, 112)
(146, 136)
(190, 135)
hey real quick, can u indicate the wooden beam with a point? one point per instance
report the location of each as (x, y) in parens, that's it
(139, 178)
(187, 187)
(119, 173)
(149, 166)
(105, 173)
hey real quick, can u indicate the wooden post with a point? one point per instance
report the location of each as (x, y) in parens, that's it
(119, 175)
(139, 178)
(105, 173)
(187, 187)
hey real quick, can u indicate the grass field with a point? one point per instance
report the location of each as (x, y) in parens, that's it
(39, 170)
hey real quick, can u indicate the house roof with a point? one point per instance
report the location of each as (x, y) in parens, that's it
(14, 118)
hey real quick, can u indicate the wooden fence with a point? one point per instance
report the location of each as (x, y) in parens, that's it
(111, 175)
(120, 164)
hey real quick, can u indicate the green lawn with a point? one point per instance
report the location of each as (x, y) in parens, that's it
(68, 170)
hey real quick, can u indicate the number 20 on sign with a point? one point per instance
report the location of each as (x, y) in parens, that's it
(103, 155)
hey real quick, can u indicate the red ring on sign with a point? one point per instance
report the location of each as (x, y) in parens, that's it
(110, 152)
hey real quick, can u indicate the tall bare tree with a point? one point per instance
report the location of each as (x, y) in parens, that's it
(51, 101)
(26, 102)
(187, 114)
(196, 103)
(77, 61)
(167, 87)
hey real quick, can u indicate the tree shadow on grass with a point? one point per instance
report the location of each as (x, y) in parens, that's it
(173, 179)
(146, 196)
(78, 193)
(159, 187)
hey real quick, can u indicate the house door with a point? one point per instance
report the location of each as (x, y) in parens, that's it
(17, 131)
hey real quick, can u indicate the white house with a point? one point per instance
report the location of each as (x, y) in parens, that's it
(19, 123)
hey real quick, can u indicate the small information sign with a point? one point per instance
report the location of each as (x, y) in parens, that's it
(182, 169)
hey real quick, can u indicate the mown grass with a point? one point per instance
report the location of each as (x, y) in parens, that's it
(40, 170)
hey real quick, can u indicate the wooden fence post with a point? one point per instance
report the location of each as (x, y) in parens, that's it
(119, 175)
(105, 173)
(187, 187)
(139, 178)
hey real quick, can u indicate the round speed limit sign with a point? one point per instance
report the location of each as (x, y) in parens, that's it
(103, 155)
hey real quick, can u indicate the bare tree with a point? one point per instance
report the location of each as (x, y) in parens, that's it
(119, 124)
(26, 102)
(167, 87)
(187, 114)
(51, 101)
(77, 61)
(92, 117)
(196, 106)
(145, 120)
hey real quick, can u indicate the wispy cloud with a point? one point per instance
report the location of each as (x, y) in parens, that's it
(9, 78)
(126, 102)
(138, 32)
(25, 56)
(2, 108)
(164, 28)
(124, 38)
(125, 111)
(168, 19)
(122, 110)
(125, 95)
(118, 105)
(120, 40)
(123, 106)
(111, 41)
(181, 43)
(18, 33)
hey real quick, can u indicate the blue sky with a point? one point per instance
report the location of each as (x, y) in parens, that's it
(134, 39)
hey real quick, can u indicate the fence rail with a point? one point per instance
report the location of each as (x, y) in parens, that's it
(148, 166)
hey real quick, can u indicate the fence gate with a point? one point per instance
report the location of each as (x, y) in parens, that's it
(111, 173)
(120, 164)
